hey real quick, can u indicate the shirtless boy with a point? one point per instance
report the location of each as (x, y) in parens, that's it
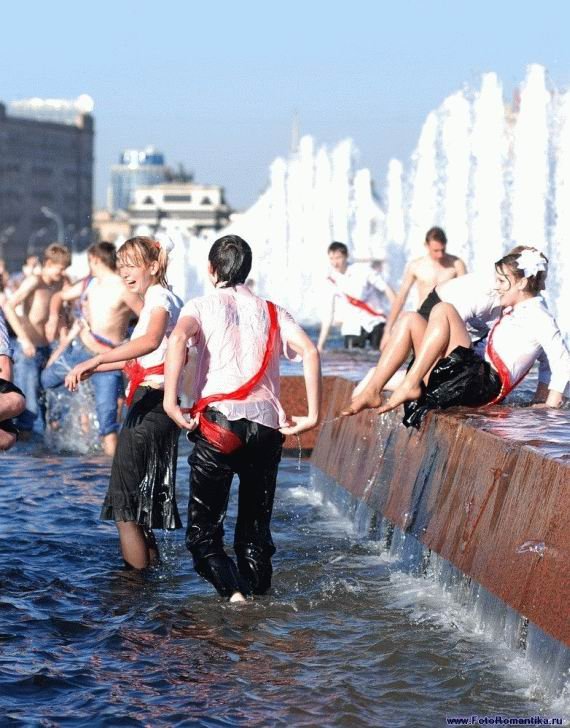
(31, 350)
(426, 273)
(106, 306)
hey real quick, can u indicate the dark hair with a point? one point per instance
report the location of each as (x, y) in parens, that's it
(535, 283)
(437, 234)
(230, 258)
(105, 252)
(338, 248)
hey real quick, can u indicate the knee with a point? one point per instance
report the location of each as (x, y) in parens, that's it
(442, 310)
(7, 440)
(13, 404)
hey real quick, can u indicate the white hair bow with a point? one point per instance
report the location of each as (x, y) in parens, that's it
(531, 262)
(165, 243)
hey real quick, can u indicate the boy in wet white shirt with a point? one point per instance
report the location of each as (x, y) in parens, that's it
(358, 296)
(447, 372)
(237, 421)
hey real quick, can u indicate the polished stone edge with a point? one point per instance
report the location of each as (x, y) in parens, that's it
(497, 510)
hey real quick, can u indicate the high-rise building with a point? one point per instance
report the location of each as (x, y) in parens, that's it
(136, 168)
(46, 175)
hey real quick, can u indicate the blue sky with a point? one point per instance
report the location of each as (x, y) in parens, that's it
(215, 85)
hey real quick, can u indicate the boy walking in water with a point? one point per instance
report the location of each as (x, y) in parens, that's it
(363, 295)
(237, 421)
(106, 307)
(12, 402)
(31, 350)
(435, 267)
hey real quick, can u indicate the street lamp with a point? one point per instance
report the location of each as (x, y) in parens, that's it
(48, 212)
(33, 238)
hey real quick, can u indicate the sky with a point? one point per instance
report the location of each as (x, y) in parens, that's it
(215, 85)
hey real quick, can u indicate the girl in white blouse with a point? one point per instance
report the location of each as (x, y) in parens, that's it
(141, 494)
(447, 372)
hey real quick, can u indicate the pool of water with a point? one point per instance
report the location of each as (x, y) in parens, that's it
(346, 637)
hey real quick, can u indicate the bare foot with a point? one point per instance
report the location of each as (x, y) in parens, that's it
(237, 598)
(404, 393)
(368, 399)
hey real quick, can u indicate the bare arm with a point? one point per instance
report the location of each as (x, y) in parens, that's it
(140, 346)
(399, 300)
(460, 267)
(186, 327)
(6, 368)
(26, 289)
(302, 345)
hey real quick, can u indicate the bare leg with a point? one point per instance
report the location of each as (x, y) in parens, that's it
(110, 443)
(136, 548)
(406, 335)
(445, 332)
(12, 404)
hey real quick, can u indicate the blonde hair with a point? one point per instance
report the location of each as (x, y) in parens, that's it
(142, 250)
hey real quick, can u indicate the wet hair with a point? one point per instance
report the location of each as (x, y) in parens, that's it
(230, 258)
(338, 248)
(56, 253)
(105, 252)
(535, 283)
(142, 250)
(436, 234)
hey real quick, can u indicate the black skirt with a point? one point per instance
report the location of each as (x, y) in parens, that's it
(143, 475)
(461, 379)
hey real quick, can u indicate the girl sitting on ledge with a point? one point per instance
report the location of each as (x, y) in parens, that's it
(447, 372)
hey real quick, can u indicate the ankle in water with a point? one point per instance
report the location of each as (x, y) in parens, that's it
(237, 598)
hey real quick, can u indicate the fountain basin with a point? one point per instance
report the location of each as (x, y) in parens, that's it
(487, 490)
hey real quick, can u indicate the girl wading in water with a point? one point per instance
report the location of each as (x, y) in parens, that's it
(141, 494)
(237, 422)
(447, 372)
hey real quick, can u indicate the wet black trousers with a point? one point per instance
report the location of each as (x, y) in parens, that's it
(211, 473)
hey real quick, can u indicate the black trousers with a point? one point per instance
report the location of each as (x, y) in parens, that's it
(211, 473)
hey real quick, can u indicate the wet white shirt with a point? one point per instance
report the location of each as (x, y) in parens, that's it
(361, 282)
(230, 346)
(476, 300)
(525, 333)
(157, 297)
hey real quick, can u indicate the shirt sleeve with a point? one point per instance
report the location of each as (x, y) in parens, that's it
(557, 358)
(376, 280)
(5, 348)
(160, 298)
(288, 327)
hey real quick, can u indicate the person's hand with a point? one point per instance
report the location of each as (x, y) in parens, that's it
(28, 348)
(296, 425)
(80, 372)
(182, 417)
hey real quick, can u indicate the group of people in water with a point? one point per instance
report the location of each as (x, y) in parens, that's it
(470, 344)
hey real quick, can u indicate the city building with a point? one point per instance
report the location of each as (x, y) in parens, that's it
(196, 207)
(46, 175)
(136, 168)
(110, 226)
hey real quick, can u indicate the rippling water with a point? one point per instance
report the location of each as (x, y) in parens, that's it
(346, 637)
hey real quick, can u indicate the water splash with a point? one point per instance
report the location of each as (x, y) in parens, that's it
(533, 547)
